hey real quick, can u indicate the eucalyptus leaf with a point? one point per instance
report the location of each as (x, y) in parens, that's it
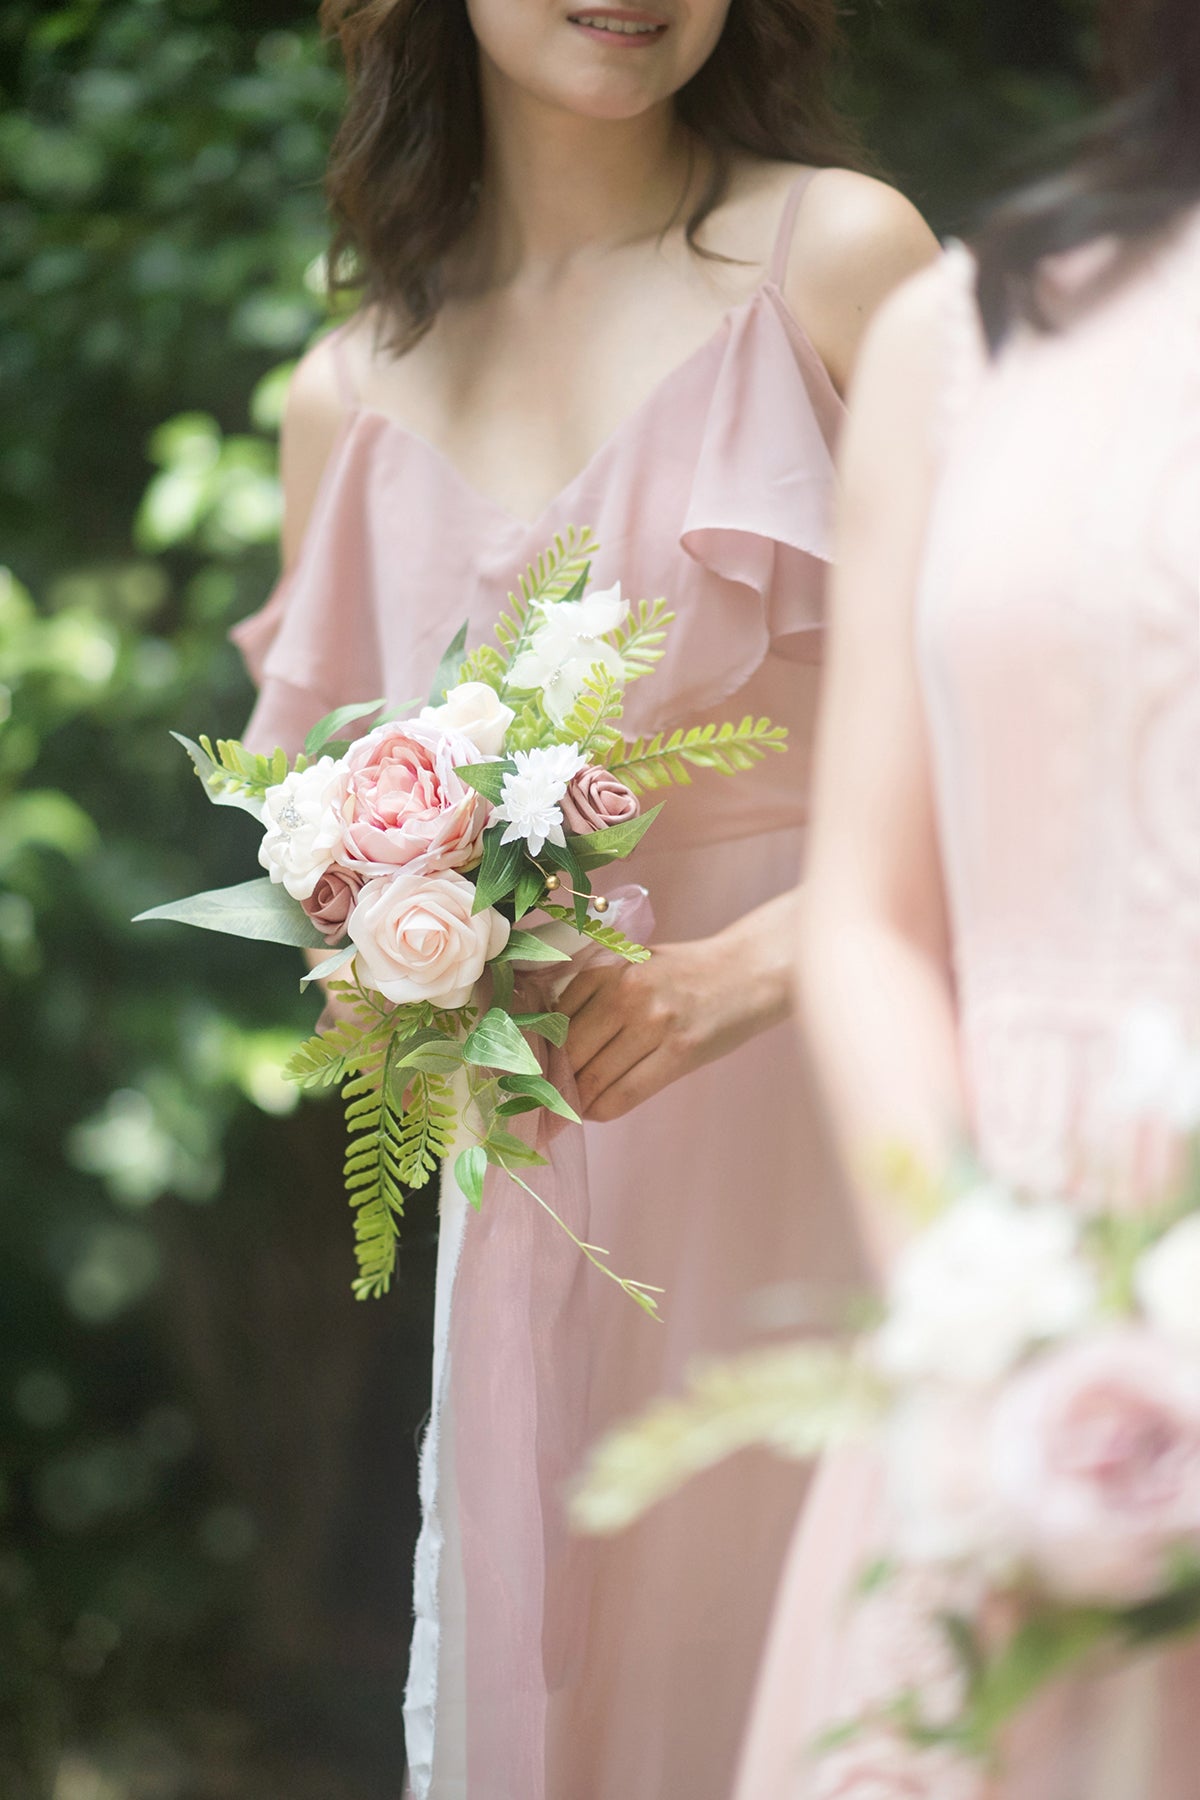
(498, 871)
(330, 966)
(220, 795)
(450, 667)
(326, 729)
(526, 946)
(253, 909)
(496, 1043)
(595, 848)
(536, 1087)
(470, 1168)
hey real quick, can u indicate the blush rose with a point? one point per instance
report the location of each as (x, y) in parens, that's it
(416, 937)
(401, 802)
(1095, 1462)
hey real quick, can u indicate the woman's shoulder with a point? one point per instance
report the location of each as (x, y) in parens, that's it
(854, 240)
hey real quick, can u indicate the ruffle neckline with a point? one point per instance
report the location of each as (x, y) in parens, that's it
(756, 520)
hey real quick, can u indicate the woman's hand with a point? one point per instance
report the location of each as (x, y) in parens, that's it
(636, 1027)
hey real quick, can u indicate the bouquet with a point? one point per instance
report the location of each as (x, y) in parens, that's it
(443, 862)
(1032, 1385)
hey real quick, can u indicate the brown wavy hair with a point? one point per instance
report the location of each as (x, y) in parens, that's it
(407, 160)
(1135, 172)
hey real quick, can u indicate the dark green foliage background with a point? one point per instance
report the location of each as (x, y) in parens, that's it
(206, 1464)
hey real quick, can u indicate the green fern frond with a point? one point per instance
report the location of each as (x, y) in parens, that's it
(607, 936)
(663, 760)
(641, 638)
(551, 577)
(484, 664)
(244, 772)
(590, 723)
(530, 728)
(426, 1129)
(371, 1174)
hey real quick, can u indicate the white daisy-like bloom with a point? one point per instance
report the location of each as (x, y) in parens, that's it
(531, 795)
(565, 647)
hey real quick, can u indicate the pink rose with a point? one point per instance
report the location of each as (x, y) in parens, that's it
(1095, 1462)
(595, 800)
(401, 802)
(417, 940)
(329, 904)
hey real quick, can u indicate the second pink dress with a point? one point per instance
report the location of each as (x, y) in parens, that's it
(716, 494)
(1059, 649)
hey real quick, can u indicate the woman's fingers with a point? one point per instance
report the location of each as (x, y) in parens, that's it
(581, 987)
(595, 1025)
(612, 1063)
(640, 1082)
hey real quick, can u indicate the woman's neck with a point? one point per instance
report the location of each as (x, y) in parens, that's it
(558, 187)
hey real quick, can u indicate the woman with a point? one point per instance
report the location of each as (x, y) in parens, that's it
(615, 277)
(1006, 854)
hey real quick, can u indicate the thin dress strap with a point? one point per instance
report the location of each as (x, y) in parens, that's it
(340, 363)
(787, 225)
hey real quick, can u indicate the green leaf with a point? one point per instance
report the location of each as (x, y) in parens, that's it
(552, 1025)
(578, 588)
(726, 749)
(330, 966)
(640, 640)
(253, 909)
(502, 1147)
(214, 779)
(431, 1051)
(530, 889)
(326, 729)
(496, 1043)
(562, 856)
(527, 946)
(450, 667)
(537, 1088)
(470, 1168)
(487, 778)
(499, 869)
(503, 983)
(595, 848)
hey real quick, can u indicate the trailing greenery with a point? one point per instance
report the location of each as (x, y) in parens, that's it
(607, 936)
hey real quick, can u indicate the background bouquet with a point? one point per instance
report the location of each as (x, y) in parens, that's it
(1032, 1386)
(442, 861)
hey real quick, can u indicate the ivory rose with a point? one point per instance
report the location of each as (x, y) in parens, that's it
(1167, 1283)
(597, 799)
(329, 904)
(402, 803)
(417, 940)
(301, 833)
(1095, 1462)
(475, 710)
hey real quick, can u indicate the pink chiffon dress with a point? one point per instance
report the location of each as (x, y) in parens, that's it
(1058, 642)
(546, 1669)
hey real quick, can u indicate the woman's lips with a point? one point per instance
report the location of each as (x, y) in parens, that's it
(619, 28)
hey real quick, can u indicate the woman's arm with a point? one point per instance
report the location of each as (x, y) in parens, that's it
(636, 1029)
(874, 971)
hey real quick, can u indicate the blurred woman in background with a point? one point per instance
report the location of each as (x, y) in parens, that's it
(1006, 855)
(616, 263)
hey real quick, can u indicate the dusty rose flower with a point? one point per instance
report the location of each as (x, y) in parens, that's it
(1095, 1462)
(329, 904)
(401, 801)
(596, 799)
(417, 939)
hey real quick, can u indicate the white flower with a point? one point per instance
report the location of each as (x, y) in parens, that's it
(477, 711)
(1167, 1283)
(987, 1280)
(942, 1506)
(566, 646)
(1158, 1071)
(529, 799)
(303, 827)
